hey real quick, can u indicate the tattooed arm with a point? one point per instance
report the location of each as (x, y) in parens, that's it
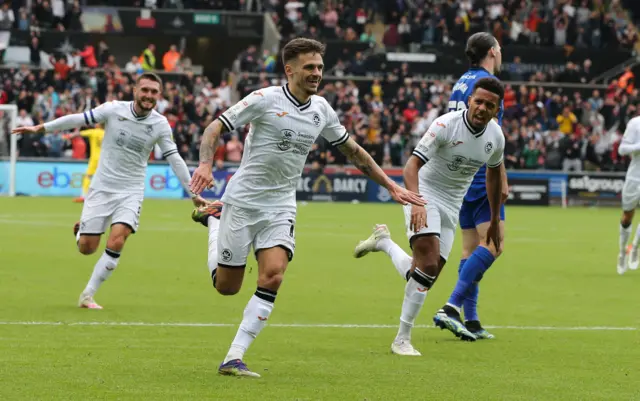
(365, 163)
(203, 175)
(210, 139)
(245, 111)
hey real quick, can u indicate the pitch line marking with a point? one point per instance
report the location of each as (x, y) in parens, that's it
(307, 325)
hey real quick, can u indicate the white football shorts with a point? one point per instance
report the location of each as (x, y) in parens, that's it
(440, 222)
(630, 195)
(241, 228)
(101, 208)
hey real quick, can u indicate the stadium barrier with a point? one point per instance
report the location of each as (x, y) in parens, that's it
(55, 177)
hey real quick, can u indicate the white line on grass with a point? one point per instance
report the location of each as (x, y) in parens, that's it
(309, 326)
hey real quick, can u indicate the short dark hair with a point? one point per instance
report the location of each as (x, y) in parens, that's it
(478, 47)
(491, 85)
(300, 46)
(151, 76)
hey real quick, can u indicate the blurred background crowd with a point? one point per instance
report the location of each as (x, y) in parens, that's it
(554, 118)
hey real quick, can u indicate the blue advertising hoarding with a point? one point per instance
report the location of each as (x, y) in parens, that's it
(65, 179)
(376, 193)
(4, 177)
(62, 178)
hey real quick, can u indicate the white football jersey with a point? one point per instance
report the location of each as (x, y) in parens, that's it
(632, 137)
(453, 152)
(127, 145)
(276, 148)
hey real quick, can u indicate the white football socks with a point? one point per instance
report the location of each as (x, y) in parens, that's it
(401, 260)
(625, 233)
(636, 238)
(212, 260)
(102, 271)
(254, 319)
(414, 296)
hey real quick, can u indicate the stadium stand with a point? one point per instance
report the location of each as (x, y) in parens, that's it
(552, 127)
(386, 105)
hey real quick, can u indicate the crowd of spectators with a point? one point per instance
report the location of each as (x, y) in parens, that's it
(188, 101)
(546, 128)
(552, 128)
(579, 23)
(25, 15)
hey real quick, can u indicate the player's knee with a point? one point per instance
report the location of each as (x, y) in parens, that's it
(272, 275)
(116, 242)
(272, 278)
(87, 245)
(627, 218)
(86, 249)
(226, 286)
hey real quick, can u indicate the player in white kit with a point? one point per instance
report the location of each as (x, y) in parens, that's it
(115, 196)
(630, 145)
(442, 167)
(260, 200)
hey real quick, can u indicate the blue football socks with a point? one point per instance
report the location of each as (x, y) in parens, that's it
(470, 271)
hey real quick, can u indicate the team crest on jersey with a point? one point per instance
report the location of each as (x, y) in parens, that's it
(149, 130)
(287, 137)
(488, 147)
(226, 255)
(316, 119)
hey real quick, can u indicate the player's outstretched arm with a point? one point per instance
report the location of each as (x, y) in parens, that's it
(365, 163)
(71, 121)
(59, 124)
(178, 165)
(181, 171)
(203, 176)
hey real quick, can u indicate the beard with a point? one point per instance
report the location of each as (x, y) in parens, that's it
(140, 103)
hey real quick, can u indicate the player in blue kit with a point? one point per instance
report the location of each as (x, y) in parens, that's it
(485, 57)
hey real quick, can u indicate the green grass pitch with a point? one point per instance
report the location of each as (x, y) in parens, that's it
(567, 325)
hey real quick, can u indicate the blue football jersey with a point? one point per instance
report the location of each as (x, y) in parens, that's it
(460, 100)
